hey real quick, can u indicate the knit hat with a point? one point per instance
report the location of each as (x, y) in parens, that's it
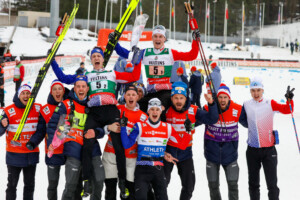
(159, 29)
(81, 77)
(213, 65)
(224, 89)
(56, 82)
(97, 50)
(18, 58)
(23, 88)
(193, 69)
(179, 88)
(256, 82)
(180, 70)
(154, 102)
(139, 86)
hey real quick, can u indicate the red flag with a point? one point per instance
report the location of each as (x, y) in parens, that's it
(207, 12)
(157, 7)
(227, 13)
(172, 11)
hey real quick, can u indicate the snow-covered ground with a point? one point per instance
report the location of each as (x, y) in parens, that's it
(275, 81)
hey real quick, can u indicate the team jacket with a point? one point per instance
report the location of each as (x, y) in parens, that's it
(177, 119)
(152, 141)
(258, 117)
(133, 116)
(20, 156)
(221, 141)
(19, 72)
(102, 83)
(72, 147)
(159, 62)
(46, 113)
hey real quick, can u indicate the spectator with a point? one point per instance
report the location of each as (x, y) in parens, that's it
(292, 47)
(176, 65)
(2, 105)
(18, 73)
(296, 45)
(196, 82)
(7, 56)
(215, 76)
(81, 69)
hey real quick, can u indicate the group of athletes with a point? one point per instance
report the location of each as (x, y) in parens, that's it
(143, 144)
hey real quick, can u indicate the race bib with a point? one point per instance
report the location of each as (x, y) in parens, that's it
(99, 85)
(156, 70)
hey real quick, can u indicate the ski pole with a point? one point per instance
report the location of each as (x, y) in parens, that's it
(296, 134)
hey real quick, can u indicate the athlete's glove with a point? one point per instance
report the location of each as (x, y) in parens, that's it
(289, 93)
(123, 120)
(196, 34)
(30, 145)
(137, 55)
(188, 124)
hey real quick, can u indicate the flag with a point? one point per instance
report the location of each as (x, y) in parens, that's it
(279, 15)
(141, 7)
(227, 13)
(207, 12)
(157, 7)
(172, 11)
(260, 13)
(244, 14)
(127, 3)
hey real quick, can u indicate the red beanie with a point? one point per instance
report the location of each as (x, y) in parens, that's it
(180, 70)
(213, 65)
(193, 69)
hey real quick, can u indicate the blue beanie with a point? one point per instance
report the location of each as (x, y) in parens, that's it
(81, 77)
(97, 50)
(179, 88)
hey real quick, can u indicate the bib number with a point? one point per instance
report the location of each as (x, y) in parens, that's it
(99, 85)
(156, 70)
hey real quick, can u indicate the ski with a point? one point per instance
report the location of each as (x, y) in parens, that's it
(42, 74)
(118, 31)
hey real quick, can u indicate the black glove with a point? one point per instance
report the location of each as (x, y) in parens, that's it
(30, 145)
(124, 120)
(111, 36)
(196, 34)
(187, 124)
(289, 93)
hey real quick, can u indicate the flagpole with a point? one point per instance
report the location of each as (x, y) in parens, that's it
(263, 21)
(96, 19)
(208, 32)
(278, 21)
(105, 14)
(281, 15)
(157, 12)
(111, 8)
(121, 5)
(74, 21)
(154, 4)
(174, 22)
(9, 12)
(88, 21)
(243, 22)
(225, 24)
(205, 30)
(170, 20)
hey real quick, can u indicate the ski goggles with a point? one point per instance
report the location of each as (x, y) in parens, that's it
(155, 102)
(159, 29)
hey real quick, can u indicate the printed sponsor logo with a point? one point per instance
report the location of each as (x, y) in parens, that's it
(12, 112)
(143, 117)
(154, 133)
(46, 110)
(37, 108)
(191, 111)
(234, 112)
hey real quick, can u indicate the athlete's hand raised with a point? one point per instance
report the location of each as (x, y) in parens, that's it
(208, 98)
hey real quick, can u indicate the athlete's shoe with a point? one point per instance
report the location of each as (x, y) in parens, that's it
(86, 189)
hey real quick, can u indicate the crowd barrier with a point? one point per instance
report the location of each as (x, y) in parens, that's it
(32, 67)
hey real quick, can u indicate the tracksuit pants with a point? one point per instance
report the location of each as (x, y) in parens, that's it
(232, 176)
(146, 175)
(13, 178)
(18, 84)
(187, 176)
(2, 98)
(73, 172)
(196, 100)
(267, 157)
(99, 116)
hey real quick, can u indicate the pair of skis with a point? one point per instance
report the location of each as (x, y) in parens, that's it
(67, 21)
(42, 73)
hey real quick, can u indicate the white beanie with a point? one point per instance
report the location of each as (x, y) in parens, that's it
(159, 29)
(256, 82)
(23, 88)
